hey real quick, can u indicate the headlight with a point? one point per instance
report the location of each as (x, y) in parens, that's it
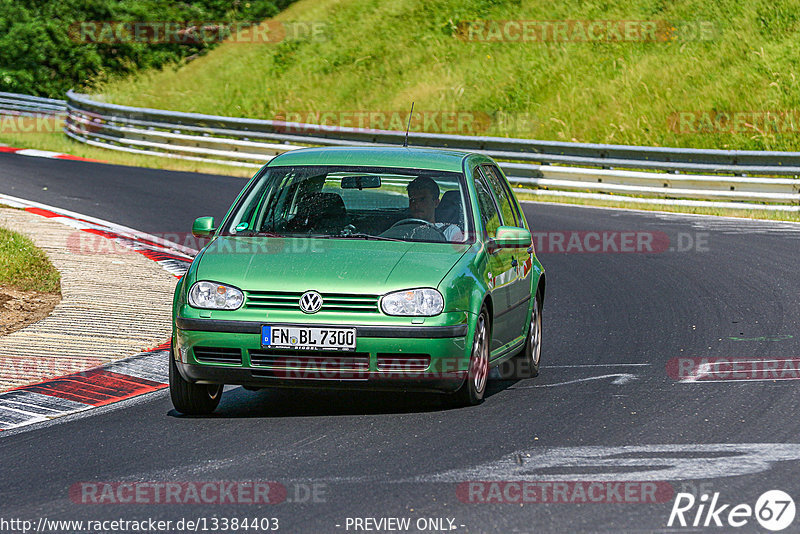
(214, 296)
(420, 302)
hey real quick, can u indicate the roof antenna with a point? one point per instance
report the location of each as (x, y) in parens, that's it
(405, 143)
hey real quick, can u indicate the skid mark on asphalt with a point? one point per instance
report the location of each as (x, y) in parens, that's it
(635, 462)
(704, 370)
(729, 225)
(565, 375)
(619, 379)
(117, 381)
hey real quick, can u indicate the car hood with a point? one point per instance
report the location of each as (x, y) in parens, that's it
(326, 265)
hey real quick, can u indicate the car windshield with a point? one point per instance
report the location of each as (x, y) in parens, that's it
(354, 203)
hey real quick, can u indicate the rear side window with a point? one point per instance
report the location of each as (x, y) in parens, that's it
(486, 206)
(502, 194)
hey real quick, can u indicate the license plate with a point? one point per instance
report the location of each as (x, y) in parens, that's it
(308, 338)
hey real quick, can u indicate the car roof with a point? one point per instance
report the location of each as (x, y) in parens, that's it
(392, 156)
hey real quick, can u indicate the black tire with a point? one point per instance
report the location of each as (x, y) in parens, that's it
(472, 391)
(531, 356)
(192, 399)
(525, 364)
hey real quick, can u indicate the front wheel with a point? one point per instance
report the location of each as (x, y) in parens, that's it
(189, 398)
(473, 389)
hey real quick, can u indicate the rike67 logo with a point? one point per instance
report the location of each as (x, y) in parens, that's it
(774, 510)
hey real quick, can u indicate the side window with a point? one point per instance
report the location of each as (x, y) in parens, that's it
(486, 206)
(501, 193)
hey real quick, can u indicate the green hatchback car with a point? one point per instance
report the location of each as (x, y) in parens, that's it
(360, 267)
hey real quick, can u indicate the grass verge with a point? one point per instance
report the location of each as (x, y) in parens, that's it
(24, 267)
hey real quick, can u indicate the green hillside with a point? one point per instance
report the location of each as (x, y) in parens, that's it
(50, 46)
(363, 57)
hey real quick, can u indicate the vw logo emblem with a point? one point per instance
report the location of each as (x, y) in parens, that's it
(310, 302)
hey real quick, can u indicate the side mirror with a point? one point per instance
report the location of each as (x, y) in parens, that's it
(203, 227)
(511, 237)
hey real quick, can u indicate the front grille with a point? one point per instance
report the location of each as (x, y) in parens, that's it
(285, 300)
(316, 365)
(316, 360)
(218, 355)
(403, 362)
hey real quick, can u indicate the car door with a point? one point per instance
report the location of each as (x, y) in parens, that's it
(499, 272)
(519, 290)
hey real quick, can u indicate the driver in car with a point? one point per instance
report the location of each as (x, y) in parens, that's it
(423, 198)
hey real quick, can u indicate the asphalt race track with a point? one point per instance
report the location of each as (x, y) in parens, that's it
(615, 401)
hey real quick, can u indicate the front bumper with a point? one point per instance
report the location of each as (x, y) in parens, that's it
(444, 348)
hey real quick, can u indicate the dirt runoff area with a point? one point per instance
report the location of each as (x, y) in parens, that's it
(18, 309)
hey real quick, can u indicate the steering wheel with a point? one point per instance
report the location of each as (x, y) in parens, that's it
(412, 220)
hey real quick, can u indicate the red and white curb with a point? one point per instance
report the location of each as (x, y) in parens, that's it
(45, 154)
(173, 257)
(115, 381)
(77, 392)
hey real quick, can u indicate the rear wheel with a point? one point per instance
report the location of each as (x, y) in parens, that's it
(189, 398)
(525, 364)
(473, 389)
(531, 354)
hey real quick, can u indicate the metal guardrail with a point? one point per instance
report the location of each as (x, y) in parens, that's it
(15, 104)
(549, 166)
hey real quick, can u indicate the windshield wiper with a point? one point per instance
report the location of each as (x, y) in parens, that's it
(315, 236)
(250, 233)
(370, 236)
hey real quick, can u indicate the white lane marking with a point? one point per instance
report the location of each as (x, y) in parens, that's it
(706, 370)
(86, 412)
(37, 153)
(735, 381)
(663, 214)
(20, 408)
(619, 379)
(635, 462)
(599, 365)
(702, 370)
